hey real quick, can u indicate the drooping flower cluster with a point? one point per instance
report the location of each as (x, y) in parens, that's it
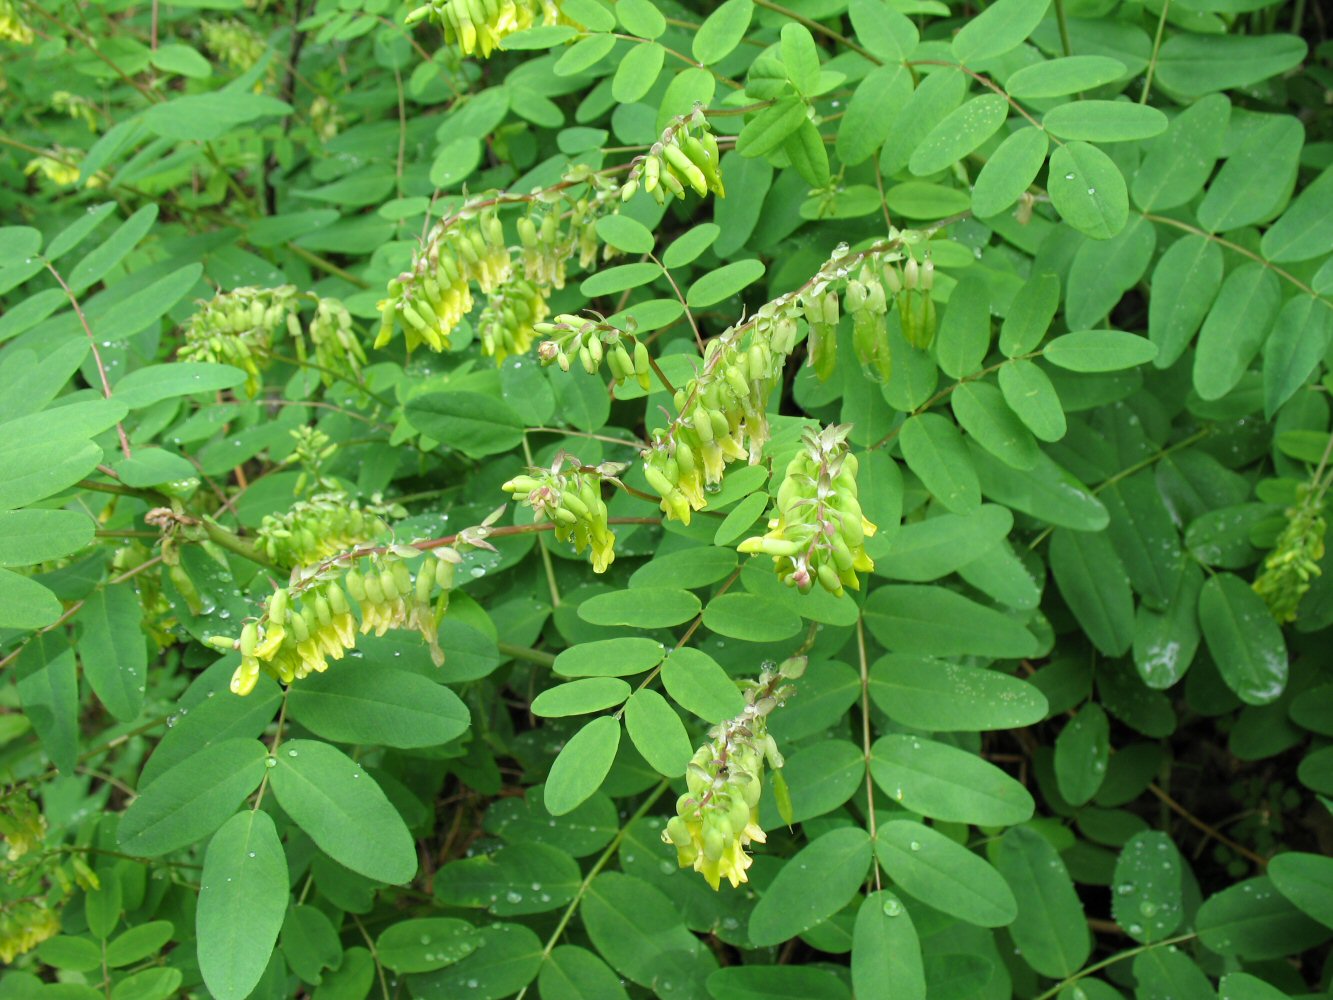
(722, 417)
(481, 25)
(233, 42)
(22, 827)
(12, 27)
(24, 924)
(1290, 569)
(718, 817)
(239, 328)
(77, 107)
(911, 287)
(434, 294)
(304, 626)
(61, 167)
(593, 343)
(686, 156)
(572, 501)
(324, 525)
(818, 531)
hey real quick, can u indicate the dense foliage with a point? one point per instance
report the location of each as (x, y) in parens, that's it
(597, 499)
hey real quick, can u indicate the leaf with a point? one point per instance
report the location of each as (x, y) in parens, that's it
(192, 799)
(886, 952)
(1062, 77)
(609, 658)
(816, 781)
(1104, 270)
(1244, 641)
(1306, 880)
(722, 31)
(1185, 282)
(1193, 65)
(1104, 121)
(1235, 329)
(1253, 921)
(582, 765)
(391, 707)
(426, 944)
(805, 149)
(201, 117)
(981, 410)
(1030, 315)
(1299, 339)
(943, 874)
(1088, 190)
(584, 54)
(934, 450)
(1146, 893)
(874, 106)
(573, 973)
(698, 684)
(1093, 582)
(1081, 752)
(112, 650)
(940, 622)
(819, 881)
(937, 94)
(1050, 930)
(751, 618)
(1243, 986)
(1009, 172)
(640, 933)
(625, 234)
(330, 797)
(998, 29)
(637, 73)
(769, 129)
(1169, 974)
(724, 282)
(25, 603)
(657, 733)
(927, 550)
(800, 56)
(1046, 491)
(455, 160)
(475, 424)
(1179, 162)
(946, 783)
(937, 696)
(884, 31)
(18, 244)
(506, 958)
(1304, 230)
(776, 982)
(1029, 393)
(964, 334)
(1256, 179)
(31, 470)
(242, 903)
(961, 133)
(138, 943)
(94, 266)
(309, 942)
(641, 607)
(687, 247)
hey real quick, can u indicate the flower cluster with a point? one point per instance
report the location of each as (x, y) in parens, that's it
(722, 417)
(12, 27)
(435, 293)
(24, 924)
(686, 156)
(1291, 567)
(911, 287)
(324, 525)
(77, 107)
(572, 501)
(818, 531)
(61, 167)
(718, 817)
(301, 628)
(239, 328)
(594, 342)
(233, 42)
(22, 827)
(481, 25)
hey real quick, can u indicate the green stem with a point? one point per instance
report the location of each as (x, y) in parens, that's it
(594, 871)
(232, 542)
(527, 655)
(1098, 966)
(1156, 46)
(1060, 19)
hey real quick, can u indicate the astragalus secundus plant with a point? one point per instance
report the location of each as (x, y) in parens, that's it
(718, 817)
(571, 499)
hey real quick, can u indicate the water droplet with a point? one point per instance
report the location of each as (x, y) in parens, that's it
(892, 907)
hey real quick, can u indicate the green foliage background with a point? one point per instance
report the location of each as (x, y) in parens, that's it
(1057, 742)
